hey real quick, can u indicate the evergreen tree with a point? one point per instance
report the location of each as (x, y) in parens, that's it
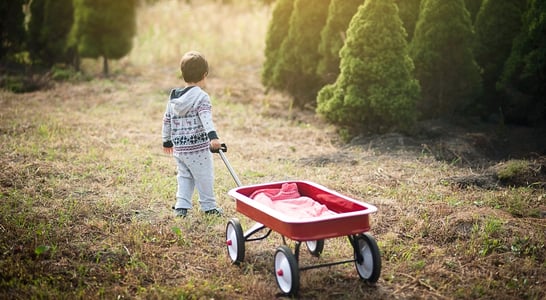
(298, 57)
(524, 72)
(104, 28)
(48, 29)
(444, 63)
(276, 33)
(332, 38)
(473, 7)
(375, 90)
(12, 30)
(408, 11)
(35, 42)
(497, 23)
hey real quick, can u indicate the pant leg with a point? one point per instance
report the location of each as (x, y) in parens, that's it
(186, 185)
(202, 167)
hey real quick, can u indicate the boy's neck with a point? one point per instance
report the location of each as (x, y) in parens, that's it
(200, 84)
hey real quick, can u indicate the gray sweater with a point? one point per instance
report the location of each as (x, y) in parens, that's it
(187, 122)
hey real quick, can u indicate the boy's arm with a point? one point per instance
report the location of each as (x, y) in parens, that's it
(166, 132)
(205, 114)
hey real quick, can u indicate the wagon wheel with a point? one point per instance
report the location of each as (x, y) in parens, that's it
(287, 272)
(235, 241)
(369, 267)
(315, 247)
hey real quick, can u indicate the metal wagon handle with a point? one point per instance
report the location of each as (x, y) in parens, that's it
(221, 151)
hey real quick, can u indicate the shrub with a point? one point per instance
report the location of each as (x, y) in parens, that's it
(333, 35)
(298, 57)
(441, 49)
(375, 90)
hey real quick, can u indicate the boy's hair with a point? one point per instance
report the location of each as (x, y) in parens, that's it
(194, 66)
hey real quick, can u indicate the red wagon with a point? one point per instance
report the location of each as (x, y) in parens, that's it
(347, 217)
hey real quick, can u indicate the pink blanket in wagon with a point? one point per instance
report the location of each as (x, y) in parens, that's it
(288, 200)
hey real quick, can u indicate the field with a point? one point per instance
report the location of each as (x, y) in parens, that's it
(86, 191)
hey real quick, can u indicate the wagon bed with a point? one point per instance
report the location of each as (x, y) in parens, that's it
(351, 216)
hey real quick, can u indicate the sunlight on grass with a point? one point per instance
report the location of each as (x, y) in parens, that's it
(225, 34)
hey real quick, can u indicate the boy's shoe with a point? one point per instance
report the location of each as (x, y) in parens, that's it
(214, 212)
(180, 212)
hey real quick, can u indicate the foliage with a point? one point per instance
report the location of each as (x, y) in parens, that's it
(444, 63)
(496, 25)
(104, 28)
(333, 35)
(48, 29)
(375, 90)
(409, 12)
(473, 7)
(12, 32)
(276, 33)
(525, 69)
(298, 57)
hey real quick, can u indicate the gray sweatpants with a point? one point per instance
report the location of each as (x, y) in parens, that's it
(195, 170)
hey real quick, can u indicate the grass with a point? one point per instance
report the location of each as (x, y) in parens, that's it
(85, 190)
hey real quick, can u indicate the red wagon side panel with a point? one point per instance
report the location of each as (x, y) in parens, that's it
(351, 215)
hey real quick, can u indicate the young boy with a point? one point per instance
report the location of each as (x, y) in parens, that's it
(189, 135)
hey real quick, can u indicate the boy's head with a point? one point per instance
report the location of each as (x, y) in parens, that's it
(194, 67)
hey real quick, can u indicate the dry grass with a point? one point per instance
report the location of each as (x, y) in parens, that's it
(85, 191)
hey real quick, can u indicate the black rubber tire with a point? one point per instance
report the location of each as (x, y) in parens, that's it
(370, 268)
(287, 273)
(315, 247)
(235, 241)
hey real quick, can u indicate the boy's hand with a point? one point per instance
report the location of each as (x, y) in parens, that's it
(215, 145)
(168, 150)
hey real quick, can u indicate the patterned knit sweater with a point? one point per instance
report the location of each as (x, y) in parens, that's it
(187, 123)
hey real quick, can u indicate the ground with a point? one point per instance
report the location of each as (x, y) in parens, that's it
(461, 203)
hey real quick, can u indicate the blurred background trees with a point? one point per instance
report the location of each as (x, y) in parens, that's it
(12, 29)
(43, 33)
(441, 49)
(497, 23)
(48, 30)
(295, 72)
(332, 37)
(103, 28)
(276, 32)
(470, 58)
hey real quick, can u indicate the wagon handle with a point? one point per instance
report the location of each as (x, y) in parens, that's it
(221, 151)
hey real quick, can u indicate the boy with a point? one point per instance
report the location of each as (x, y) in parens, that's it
(189, 135)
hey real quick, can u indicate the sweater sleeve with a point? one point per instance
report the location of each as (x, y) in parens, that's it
(166, 128)
(205, 114)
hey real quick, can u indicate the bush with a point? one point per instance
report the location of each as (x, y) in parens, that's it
(441, 49)
(375, 90)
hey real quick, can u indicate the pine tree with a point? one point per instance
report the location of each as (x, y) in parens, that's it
(12, 30)
(375, 90)
(496, 25)
(444, 63)
(473, 7)
(408, 11)
(298, 57)
(35, 43)
(332, 38)
(104, 28)
(524, 72)
(48, 29)
(276, 33)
